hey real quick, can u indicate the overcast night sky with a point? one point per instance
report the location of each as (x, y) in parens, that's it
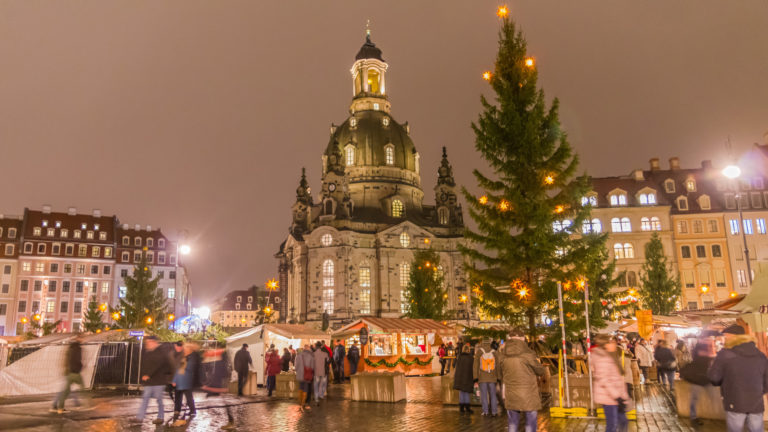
(199, 114)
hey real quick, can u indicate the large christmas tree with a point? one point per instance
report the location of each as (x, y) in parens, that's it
(661, 290)
(425, 295)
(532, 210)
(143, 304)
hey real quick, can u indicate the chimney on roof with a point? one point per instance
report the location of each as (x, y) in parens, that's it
(46, 208)
(638, 175)
(654, 164)
(125, 226)
(706, 164)
(72, 211)
(96, 213)
(149, 228)
(674, 163)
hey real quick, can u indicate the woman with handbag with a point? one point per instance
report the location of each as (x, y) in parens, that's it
(609, 388)
(305, 375)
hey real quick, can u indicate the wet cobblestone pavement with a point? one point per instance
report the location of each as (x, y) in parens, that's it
(423, 412)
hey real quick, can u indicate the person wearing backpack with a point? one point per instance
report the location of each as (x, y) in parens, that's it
(486, 374)
(305, 374)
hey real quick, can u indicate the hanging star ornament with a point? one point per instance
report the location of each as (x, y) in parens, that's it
(502, 11)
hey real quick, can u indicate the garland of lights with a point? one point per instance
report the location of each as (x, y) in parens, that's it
(400, 360)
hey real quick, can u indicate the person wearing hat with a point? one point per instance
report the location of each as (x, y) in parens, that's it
(157, 370)
(242, 363)
(741, 371)
(609, 388)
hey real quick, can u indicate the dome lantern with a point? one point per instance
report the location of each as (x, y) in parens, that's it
(368, 78)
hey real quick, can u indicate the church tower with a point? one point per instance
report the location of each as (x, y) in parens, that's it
(350, 249)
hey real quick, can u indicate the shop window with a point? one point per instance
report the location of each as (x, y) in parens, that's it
(383, 345)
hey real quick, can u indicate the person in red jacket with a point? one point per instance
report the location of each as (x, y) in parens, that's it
(274, 365)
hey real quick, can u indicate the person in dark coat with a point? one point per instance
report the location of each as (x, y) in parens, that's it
(216, 364)
(72, 367)
(157, 371)
(667, 364)
(242, 362)
(177, 353)
(695, 373)
(338, 359)
(463, 379)
(353, 356)
(441, 353)
(741, 371)
(286, 366)
(518, 370)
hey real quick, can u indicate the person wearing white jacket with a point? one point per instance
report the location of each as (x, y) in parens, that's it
(644, 355)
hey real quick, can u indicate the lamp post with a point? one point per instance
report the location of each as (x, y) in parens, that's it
(733, 172)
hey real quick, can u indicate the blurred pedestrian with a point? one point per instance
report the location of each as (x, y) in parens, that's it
(305, 374)
(177, 352)
(274, 364)
(463, 379)
(217, 379)
(695, 373)
(518, 372)
(243, 362)
(450, 354)
(609, 388)
(441, 353)
(486, 374)
(322, 363)
(157, 371)
(666, 364)
(741, 371)
(73, 364)
(682, 354)
(338, 358)
(293, 354)
(286, 360)
(187, 374)
(353, 356)
(644, 358)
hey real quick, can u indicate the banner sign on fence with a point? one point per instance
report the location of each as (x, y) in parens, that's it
(644, 323)
(136, 333)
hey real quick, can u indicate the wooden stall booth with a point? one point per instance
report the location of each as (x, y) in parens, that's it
(394, 344)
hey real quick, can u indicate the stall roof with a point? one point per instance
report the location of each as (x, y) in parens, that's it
(290, 331)
(757, 298)
(659, 321)
(400, 325)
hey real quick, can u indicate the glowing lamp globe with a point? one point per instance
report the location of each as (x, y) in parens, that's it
(732, 171)
(185, 249)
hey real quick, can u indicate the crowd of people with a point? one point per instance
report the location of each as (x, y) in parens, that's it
(503, 374)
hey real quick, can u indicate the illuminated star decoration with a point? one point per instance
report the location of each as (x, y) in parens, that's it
(487, 75)
(559, 209)
(504, 205)
(272, 285)
(530, 62)
(502, 11)
(549, 179)
(483, 200)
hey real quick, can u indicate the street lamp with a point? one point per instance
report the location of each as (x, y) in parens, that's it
(733, 172)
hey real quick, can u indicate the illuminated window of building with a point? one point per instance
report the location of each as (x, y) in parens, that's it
(105, 287)
(89, 235)
(742, 276)
(618, 200)
(629, 251)
(682, 227)
(350, 156)
(39, 267)
(50, 307)
(365, 302)
(329, 279)
(669, 186)
(389, 155)
(626, 226)
(655, 224)
(618, 251)
(76, 234)
(405, 274)
(690, 184)
(82, 250)
(748, 226)
(385, 121)
(95, 251)
(326, 240)
(365, 277)
(589, 200)
(50, 232)
(645, 224)
(107, 252)
(647, 199)
(405, 240)
(403, 301)
(103, 235)
(328, 300)
(734, 224)
(36, 231)
(45, 223)
(397, 208)
(760, 225)
(593, 226)
(442, 215)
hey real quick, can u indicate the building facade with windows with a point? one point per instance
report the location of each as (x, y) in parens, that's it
(236, 309)
(10, 232)
(65, 261)
(350, 247)
(164, 259)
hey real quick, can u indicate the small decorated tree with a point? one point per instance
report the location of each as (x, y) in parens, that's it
(143, 306)
(425, 293)
(660, 291)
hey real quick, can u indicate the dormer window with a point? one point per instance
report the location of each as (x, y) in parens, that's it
(326, 240)
(58, 224)
(589, 200)
(669, 186)
(83, 226)
(389, 154)
(96, 227)
(647, 199)
(350, 155)
(385, 121)
(126, 241)
(618, 199)
(397, 208)
(137, 241)
(704, 203)
(36, 231)
(690, 184)
(682, 203)
(353, 122)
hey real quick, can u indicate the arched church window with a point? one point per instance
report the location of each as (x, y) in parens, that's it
(328, 277)
(350, 156)
(405, 239)
(329, 207)
(326, 240)
(442, 216)
(389, 155)
(397, 208)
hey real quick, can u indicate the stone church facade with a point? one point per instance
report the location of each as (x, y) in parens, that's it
(350, 247)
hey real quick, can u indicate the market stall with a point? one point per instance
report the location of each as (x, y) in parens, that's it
(259, 339)
(394, 344)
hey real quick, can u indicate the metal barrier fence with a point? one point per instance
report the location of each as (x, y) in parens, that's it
(18, 353)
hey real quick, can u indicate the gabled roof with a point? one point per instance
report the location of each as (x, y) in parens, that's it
(400, 325)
